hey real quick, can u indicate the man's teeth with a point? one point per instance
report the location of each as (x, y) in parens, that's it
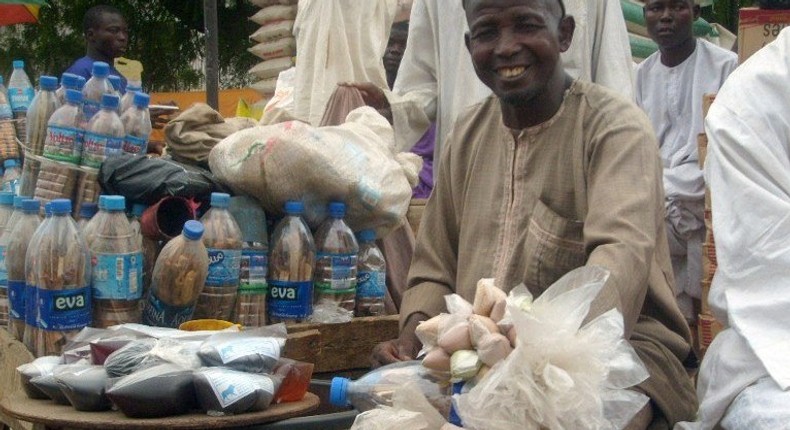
(511, 72)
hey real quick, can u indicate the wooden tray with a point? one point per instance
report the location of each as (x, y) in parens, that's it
(18, 406)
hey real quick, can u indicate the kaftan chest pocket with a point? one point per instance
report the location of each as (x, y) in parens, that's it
(554, 247)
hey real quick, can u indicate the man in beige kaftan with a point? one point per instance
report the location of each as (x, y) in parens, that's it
(548, 175)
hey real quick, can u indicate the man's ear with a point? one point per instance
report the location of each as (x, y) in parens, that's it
(89, 34)
(567, 27)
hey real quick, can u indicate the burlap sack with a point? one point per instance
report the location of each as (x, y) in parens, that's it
(353, 162)
(192, 134)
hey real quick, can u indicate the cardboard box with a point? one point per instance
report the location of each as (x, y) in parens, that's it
(759, 27)
(702, 149)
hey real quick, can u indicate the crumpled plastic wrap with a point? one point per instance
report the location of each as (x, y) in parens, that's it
(354, 162)
(561, 375)
(410, 410)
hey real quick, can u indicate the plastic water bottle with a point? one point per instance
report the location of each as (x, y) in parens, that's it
(250, 308)
(104, 134)
(87, 211)
(4, 90)
(15, 251)
(371, 276)
(222, 239)
(63, 289)
(117, 266)
(336, 263)
(20, 95)
(81, 81)
(128, 97)
(6, 209)
(179, 276)
(11, 176)
(29, 293)
(44, 104)
(115, 82)
(96, 87)
(134, 221)
(8, 145)
(68, 81)
(375, 388)
(291, 267)
(65, 130)
(137, 123)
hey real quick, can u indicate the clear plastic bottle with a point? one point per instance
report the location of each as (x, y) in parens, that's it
(60, 267)
(150, 247)
(3, 89)
(115, 82)
(95, 89)
(8, 145)
(375, 388)
(117, 266)
(6, 209)
(291, 267)
(65, 129)
(137, 123)
(44, 104)
(103, 135)
(81, 81)
(5, 238)
(11, 176)
(251, 302)
(20, 95)
(87, 211)
(336, 261)
(128, 97)
(25, 310)
(371, 276)
(179, 277)
(223, 244)
(68, 81)
(15, 251)
(134, 221)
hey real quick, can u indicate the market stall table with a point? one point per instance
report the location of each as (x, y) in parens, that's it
(53, 416)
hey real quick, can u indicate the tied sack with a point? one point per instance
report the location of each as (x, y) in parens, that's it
(353, 162)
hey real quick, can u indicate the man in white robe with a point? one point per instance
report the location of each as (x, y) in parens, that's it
(670, 85)
(744, 381)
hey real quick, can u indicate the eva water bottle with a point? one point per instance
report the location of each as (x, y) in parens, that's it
(371, 276)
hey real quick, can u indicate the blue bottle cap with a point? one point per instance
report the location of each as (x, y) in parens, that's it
(109, 101)
(73, 96)
(19, 64)
(220, 200)
(368, 235)
(337, 209)
(138, 209)
(61, 206)
(69, 80)
(10, 163)
(193, 230)
(88, 210)
(6, 199)
(294, 207)
(338, 391)
(81, 82)
(141, 99)
(132, 88)
(115, 81)
(48, 83)
(30, 205)
(100, 69)
(112, 203)
(48, 209)
(18, 201)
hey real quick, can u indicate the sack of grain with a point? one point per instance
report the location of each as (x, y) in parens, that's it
(353, 162)
(285, 47)
(274, 31)
(271, 68)
(274, 13)
(265, 3)
(265, 86)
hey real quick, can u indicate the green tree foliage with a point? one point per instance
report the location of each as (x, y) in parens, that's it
(165, 35)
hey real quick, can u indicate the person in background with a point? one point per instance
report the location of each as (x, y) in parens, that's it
(437, 81)
(670, 85)
(744, 379)
(424, 147)
(106, 38)
(547, 175)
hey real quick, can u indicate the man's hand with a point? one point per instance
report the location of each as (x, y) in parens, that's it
(371, 94)
(404, 348)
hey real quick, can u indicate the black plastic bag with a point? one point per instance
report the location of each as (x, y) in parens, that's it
(158, 391)
(148, 180)
(85, 388)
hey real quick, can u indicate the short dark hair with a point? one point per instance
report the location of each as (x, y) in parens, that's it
(562, 7)
(92, 17)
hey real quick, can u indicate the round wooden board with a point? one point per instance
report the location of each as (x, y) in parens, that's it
(52, 415)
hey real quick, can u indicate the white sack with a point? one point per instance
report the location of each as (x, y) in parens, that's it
(273, 31)
(285, 47)
(274, 13)
(271, 68)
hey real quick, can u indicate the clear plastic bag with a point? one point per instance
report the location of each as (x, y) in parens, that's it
(575, 375)
(159, 391)
(254, 351)
(410, 410)
(84, 388)
(223, 391)
(38, 367)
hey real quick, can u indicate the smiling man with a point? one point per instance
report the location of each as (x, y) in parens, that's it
(106, 37)
(547, 175)
(670, 85)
